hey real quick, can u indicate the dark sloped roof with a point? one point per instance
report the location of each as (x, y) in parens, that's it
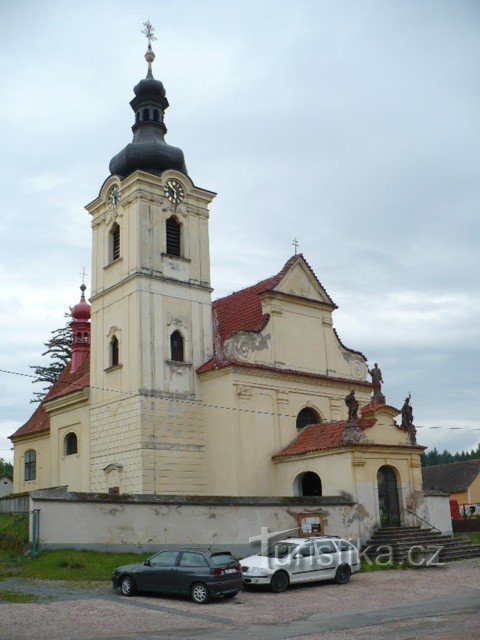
(451, 478)
(66, 383)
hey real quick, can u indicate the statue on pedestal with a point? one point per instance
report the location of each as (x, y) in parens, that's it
(377, 381)
(352, 404)
(407, 420)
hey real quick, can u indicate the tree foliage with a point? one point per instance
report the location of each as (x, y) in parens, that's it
(436, 457)
(6, 467)
(59, 352)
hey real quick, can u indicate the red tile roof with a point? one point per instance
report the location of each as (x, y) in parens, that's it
(242, 311)
(329, 435)
(66, 384)
(315, 437)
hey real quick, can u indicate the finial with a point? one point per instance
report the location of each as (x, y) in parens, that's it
(295, 244)
(83, 286)
(149, 32)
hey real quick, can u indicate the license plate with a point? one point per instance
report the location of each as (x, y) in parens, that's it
(230, 571)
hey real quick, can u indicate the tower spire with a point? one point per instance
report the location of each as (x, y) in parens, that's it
(148, 150)
(149, 32)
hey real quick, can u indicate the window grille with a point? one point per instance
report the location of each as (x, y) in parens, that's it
(173, 237)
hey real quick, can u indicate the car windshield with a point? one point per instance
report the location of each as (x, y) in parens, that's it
(278, 550)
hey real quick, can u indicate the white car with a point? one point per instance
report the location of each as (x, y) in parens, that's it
(296, 560)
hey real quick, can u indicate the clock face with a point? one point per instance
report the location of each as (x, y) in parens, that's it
(113, 197)
(174, 191)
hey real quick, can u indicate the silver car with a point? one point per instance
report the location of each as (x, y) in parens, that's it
(296, 560)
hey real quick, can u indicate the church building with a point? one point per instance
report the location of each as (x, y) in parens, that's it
(171, 393)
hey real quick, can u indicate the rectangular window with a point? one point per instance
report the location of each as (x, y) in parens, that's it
(116, 243)
(30, 465)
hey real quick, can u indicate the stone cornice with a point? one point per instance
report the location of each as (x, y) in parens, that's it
(66, 402)
(150, 276)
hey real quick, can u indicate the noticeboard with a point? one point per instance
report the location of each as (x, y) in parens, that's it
(310, 524)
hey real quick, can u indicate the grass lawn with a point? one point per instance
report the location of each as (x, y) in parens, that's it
(74, 565)
(16, 597)
(368, 568)
(474, 536)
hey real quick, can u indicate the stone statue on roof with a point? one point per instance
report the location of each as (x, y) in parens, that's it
(407, 420)
(352, 404)
(377, 381)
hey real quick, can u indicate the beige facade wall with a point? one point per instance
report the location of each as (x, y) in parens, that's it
(41, 445)
(143, 440)
(250, 416)
(70, 470)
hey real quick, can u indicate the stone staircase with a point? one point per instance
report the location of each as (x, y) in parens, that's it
(401, 539)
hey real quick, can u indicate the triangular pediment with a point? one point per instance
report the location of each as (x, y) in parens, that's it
(301, 282)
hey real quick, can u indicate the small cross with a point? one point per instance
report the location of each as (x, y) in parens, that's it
(149, 32)
(84, 275)
(295, 244)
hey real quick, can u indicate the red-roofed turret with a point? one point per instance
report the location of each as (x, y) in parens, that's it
(80, 326)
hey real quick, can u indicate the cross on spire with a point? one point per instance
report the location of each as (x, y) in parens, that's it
(84, 275)
(295, 244)
(149, 32)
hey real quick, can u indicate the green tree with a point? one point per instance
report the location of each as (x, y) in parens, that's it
(59, 352)
(6, 467)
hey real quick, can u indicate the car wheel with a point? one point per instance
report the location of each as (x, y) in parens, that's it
(127, 586)
(342, 576)
(279, 582)
(229, 595)
(199, 593)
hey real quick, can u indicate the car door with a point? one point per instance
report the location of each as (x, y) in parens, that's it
(328, 559)
(348, 553)
(160, 573)
(193, 567)
(304, 563)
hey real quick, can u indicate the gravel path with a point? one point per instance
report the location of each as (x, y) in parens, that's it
(94, 612)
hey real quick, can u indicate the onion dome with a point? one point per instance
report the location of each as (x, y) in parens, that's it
(148, 150)
(81, 311)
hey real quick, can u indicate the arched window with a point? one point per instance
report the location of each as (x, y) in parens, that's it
(114, 351)
(307, 484)
(70, 444)
(307, 416)
(114, 242)
(30, 465)
(156, 115)
(146, 114)
(173, 236)
(176, 346)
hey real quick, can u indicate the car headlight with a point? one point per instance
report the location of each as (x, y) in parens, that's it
(256, 570)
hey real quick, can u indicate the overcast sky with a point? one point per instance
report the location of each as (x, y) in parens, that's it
(353, 126)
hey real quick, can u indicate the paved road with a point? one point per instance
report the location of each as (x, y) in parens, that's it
(435, 603)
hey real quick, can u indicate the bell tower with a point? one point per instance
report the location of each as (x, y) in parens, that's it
(151, 311)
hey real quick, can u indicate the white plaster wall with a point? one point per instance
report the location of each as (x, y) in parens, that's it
(436, 511)
(6, 486)
(116, 526)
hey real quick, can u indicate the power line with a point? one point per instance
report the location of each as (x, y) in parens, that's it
(128, 395)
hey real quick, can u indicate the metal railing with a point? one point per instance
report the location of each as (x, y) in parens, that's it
(423, 520)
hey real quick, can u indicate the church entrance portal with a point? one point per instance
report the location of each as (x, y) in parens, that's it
(388, 497)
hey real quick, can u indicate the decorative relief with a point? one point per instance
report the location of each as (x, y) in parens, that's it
(113, 330)
(358, 368)
(113, 466)
(244, 343)
(245, 393)
(178, 323)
